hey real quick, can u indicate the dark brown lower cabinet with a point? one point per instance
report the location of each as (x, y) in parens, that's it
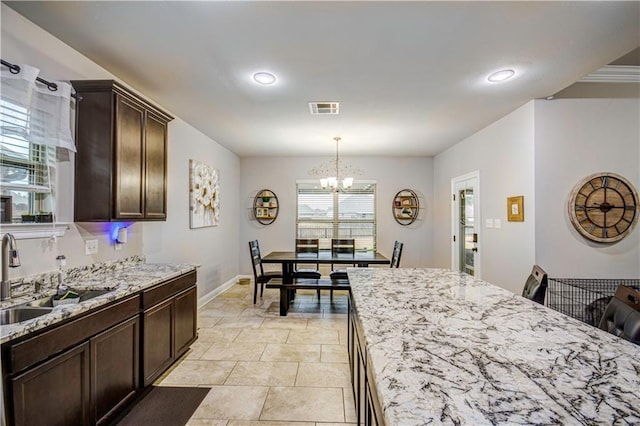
(158, 340)
(185, 326)
(54, 393)
(85, 370)
(368, 409)
(169, 324)
(115, 357)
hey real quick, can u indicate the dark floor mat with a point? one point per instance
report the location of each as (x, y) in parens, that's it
(163, 405)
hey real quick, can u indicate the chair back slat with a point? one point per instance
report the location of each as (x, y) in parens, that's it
(343, 245)
(256, 259)
(307, 245)
(397, 253)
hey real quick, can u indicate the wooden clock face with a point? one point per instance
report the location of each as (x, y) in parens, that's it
(603, 207)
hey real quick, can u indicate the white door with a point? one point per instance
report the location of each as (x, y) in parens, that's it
(465, 214)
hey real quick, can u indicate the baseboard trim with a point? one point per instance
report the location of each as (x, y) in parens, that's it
(206, 298)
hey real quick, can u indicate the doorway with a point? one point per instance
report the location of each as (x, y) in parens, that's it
(465, 224)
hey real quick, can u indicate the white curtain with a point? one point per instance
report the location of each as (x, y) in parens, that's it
(47, 112)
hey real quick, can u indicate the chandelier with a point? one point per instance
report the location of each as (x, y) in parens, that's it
(335, 175)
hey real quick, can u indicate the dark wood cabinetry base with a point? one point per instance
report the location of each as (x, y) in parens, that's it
(85, 370)
(368, 409)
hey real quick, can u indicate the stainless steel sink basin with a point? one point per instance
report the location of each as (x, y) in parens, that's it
(21, 313)
(36, 308)
(84, 295)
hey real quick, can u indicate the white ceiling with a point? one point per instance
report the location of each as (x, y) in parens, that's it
(410, 76)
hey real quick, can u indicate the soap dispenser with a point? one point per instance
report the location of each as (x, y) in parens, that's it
(61, 261)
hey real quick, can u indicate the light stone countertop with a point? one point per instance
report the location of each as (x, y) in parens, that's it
(121, 278)
(447, 348)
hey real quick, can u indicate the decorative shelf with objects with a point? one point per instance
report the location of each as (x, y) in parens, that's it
(265, 207)
(406, 206)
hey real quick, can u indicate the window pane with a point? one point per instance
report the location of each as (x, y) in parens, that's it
(315, 206)
(348, 214)
(26, 169)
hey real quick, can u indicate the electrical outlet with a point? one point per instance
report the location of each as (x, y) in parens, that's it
(90, 247)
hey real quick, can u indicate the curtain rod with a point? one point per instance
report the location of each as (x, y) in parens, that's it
(15, 69)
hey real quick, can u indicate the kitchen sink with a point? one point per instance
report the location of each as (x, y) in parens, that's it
(42, 306)
(21, 313)
(48, 301)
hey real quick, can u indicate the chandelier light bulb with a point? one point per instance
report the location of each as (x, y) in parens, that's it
(334, 175)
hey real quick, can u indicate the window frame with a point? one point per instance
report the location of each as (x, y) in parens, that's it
(335, 221)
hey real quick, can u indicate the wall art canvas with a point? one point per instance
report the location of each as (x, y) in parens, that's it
(204, 195)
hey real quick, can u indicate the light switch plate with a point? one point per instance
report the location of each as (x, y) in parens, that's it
(90, 247)
(497, 224)
(488, 223)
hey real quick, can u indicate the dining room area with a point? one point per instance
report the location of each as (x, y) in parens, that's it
(396, 214)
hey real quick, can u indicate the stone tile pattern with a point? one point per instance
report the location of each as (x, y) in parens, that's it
(447, 348)
(267, 370)
(122, 278)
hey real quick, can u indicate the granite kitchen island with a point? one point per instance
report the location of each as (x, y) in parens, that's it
(434, 346)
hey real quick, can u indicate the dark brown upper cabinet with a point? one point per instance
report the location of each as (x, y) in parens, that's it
(121, 159)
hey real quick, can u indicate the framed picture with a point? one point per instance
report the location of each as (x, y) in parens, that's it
(515, 208)
(262, 212)
(204, 193)
(5, 209)
(397, 203)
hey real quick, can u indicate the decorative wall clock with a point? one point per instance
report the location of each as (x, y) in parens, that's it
(604, 207)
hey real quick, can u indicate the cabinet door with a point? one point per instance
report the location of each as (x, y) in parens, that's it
(54, 393)
(157, 337)
(156, 168)
(129, 161)
(114, 369)
(185, 326)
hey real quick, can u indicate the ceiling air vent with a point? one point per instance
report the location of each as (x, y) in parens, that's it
(324, 108)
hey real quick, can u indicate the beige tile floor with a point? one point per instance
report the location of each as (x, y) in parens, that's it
(267, 370)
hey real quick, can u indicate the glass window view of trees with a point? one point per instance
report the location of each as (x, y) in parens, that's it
(347, 214)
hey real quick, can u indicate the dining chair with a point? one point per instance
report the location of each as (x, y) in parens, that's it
(341, 246)
(535, 288)
(395, 257)
(259, 275)
(308, 246)
(622, 316)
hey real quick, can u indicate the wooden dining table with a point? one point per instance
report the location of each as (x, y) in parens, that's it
(288, 260)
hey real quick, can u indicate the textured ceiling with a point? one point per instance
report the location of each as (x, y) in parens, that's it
(410, 76)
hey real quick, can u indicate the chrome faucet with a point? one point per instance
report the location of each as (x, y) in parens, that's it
(10, 258)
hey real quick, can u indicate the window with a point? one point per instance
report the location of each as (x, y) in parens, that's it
(26, 169)
(35, 118)
(349, 214)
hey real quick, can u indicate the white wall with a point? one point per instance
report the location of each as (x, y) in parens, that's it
(503, 153)
(392, 174)
(214, 248)
(576, 138)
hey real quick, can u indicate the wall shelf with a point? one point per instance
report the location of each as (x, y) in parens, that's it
(405, 207)
(265, 207)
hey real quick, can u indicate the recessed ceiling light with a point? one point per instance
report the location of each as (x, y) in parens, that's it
(501, 75)
(264, 78)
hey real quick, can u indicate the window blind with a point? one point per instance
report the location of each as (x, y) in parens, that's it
(347, 214)
(27, 170)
